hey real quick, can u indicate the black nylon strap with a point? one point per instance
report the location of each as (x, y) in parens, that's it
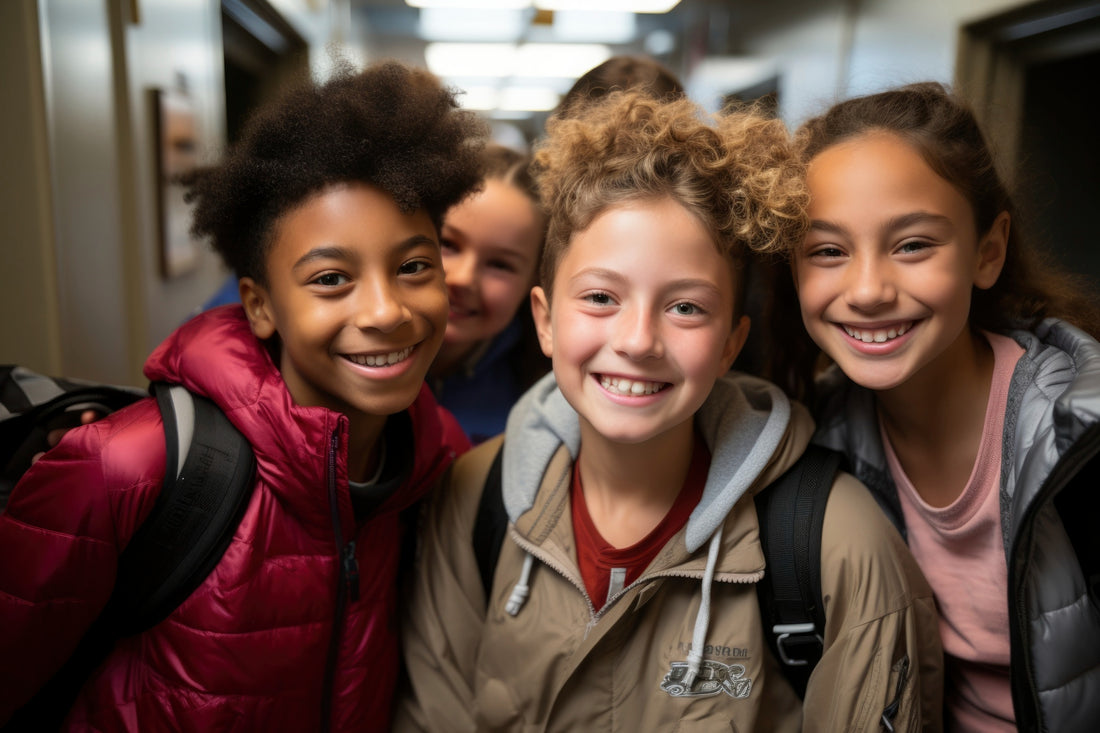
(491, 523)
(192, 522)
(791, 513)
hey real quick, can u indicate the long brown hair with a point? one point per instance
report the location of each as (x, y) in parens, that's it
(943, 129)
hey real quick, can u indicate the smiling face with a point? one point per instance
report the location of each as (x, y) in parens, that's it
(886, 273)
(641, 321)
(490, 251)
(355, 293)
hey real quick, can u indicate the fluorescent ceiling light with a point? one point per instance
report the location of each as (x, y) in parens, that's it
(568, 60)
(532, 99)
(594, 25)
(559, 59)
(470, 59)
(479, 97)
(470, 4)
(628, 6)
(465, 24)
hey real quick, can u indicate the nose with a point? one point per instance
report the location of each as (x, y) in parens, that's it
(636, 335)
(460, 269)
(380, 306)
(870, 284)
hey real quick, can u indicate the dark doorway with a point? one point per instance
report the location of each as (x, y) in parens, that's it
(1059, 172)
(1031, 73)
(261, 51)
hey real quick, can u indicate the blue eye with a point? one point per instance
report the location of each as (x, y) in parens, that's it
(913, 245)
(686, 309)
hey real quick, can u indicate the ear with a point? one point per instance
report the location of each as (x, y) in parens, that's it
(991, 252)
(540, 311)
(257, 306)
(735, 342)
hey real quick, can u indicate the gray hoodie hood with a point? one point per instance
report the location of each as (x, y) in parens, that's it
(742, 422)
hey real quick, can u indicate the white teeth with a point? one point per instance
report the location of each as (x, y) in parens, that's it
(876, 336)
(378, 360)
(617, 385)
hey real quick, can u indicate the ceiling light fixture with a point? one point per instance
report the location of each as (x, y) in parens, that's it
(495, 60)
(628, 6)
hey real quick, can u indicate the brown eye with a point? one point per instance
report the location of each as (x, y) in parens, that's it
(330, 279)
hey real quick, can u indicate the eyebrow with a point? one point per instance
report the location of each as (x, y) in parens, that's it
(688, 282)
(897, 222)
(334, 252)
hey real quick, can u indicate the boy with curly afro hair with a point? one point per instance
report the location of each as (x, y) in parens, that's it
(329, 211)
(624, 594)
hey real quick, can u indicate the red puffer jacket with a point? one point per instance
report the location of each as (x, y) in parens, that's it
(263, 643)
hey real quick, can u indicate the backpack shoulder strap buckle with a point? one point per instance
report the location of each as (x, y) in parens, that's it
(793, 639)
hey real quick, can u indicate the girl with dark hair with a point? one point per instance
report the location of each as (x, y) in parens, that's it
(965, 391)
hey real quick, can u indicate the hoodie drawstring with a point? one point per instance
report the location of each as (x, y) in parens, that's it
(522, 587)
(702, 620)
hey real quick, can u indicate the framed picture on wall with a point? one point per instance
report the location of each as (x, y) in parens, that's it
(177, 145)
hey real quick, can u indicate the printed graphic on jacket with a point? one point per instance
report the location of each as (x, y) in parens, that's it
(713, 677)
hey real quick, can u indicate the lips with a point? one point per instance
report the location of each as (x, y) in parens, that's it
(877, 335)
(379, 360)
(630, 387)
(462, 311)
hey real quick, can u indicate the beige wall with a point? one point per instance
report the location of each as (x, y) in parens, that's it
(81, 292)
(28, 302)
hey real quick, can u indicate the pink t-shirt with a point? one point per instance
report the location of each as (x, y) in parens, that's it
(960, 548)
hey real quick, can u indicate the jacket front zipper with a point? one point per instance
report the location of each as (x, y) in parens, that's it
(347, 585)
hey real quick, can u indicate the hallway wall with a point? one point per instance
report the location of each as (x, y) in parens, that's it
(81, 288)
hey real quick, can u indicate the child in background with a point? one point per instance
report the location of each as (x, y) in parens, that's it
(619, 74)
(491, 245)
(329, 209)
(963, 397)
(629, 472)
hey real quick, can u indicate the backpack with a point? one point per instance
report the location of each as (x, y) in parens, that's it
(208, 480)
(791, 512)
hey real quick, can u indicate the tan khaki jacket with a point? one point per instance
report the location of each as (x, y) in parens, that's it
(561, 665)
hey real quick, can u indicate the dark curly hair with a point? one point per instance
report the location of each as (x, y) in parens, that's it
(391, 126)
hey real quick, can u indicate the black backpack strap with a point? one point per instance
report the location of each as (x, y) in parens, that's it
(791, 514)
(179, 543)
(207, 484)
(491, 523)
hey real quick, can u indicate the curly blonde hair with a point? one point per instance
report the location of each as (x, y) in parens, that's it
(735, 171)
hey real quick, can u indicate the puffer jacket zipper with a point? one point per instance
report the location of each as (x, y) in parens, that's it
(347, 585)
(1025, 696)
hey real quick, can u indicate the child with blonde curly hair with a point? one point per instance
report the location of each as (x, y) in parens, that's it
(624, 593)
